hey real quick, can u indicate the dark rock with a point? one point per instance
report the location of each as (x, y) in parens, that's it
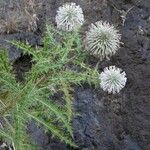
(14, 52)
(38, 134)
(42, 139)
(91, 129)
(129, 144)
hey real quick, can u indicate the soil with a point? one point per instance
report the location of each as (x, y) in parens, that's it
(106, 122)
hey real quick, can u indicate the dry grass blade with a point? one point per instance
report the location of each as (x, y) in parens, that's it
(20, 16)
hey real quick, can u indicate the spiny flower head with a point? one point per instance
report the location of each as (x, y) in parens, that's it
(102, 40)
(112, 79)
(69, 17)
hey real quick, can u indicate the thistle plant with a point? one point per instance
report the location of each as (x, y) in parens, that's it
(112, 79)
(69, 17)
(31, 99)
(102, 40)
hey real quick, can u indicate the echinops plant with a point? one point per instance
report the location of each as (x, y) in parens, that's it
(69, 17)
(102, 40)
(21, 102)
(113, 79)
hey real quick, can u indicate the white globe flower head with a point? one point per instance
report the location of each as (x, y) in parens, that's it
(112, 79)
(69, 17)
(102, 40)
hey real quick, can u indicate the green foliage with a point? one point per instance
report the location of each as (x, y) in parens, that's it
(56, 67)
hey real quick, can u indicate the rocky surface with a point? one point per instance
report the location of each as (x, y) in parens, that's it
(93, 128)
(109, 122)
(127, 119)
(28, 37)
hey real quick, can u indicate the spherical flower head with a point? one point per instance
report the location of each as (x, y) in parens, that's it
(102, 40)
(112, 79)
(69, 17)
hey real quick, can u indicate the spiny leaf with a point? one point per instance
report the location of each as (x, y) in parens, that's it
(26, 48)
(58, 112)
(58, 133)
